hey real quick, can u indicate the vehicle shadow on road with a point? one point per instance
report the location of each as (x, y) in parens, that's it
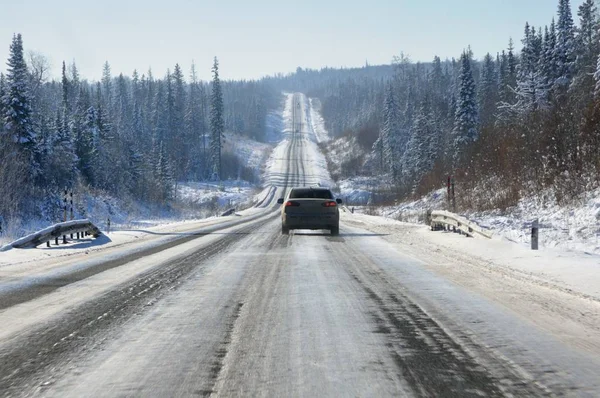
(341, 235)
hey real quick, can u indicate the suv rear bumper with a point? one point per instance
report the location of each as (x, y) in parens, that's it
(310, 222)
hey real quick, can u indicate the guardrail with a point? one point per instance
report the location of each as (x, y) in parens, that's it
(54, 232)
(444, 220)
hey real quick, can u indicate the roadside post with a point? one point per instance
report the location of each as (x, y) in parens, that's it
(72, 213)
(535, 228)
(448, 192)
(453, 197)
(65, 214)
(450, 197)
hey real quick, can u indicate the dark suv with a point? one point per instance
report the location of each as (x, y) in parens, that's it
(310, 208)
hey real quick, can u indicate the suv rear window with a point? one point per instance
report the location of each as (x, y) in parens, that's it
(307, 193)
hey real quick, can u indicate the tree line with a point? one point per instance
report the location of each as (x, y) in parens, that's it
(511, 124)
(128, 136)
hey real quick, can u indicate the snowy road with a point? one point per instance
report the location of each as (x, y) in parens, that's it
(237, 309)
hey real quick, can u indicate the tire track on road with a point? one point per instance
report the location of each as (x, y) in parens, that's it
(432, 361)
(46, 348)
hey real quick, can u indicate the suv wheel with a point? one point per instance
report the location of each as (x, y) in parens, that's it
(335, 230)
(285, 230)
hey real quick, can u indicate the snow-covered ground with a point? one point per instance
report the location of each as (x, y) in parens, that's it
(217, 195)
(572, 227)
(565, 270)
(252, 154)
(569, 228)
(316, 120)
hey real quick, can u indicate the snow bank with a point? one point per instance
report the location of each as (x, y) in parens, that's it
(563, 269)
(315, 120)
(572, 227)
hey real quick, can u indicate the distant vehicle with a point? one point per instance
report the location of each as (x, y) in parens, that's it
(310, 208)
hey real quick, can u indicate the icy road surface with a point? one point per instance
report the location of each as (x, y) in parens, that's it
(233, 308)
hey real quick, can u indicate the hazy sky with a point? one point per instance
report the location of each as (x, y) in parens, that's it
(260, 37)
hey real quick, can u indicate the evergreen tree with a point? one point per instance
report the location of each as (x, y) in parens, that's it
(107, 89)
(531, 93)
(507, 85)
(2, 94)
(466, 120)
(512, 67)
(17, 105)
(548, 62)
(123, 110)
(488, 91)
(65, 89)
(180, 133)
(87, 145)
(422, 147)
(75, 84)
(565, 45)
(587, 46)
(216, 122)
(390, 132)
(194, 120)
(163, 175)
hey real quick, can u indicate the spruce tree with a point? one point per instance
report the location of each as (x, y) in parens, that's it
(2, 93)
(422, 146)
(194, 124)
(107, 88)
(531, 93)
(488, 91)
(217, 126)
(587, 46)
(65, 89)
(17, 105)
(466, 120)
(180, 135)
(390, 132)
(565, 46)
(549, 65)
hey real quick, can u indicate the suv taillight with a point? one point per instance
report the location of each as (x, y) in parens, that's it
(329, 204)
(291, 203)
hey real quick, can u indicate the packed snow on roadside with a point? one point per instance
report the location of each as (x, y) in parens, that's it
(316, 121)
(217, 195)
(568, 270)
(574, 227)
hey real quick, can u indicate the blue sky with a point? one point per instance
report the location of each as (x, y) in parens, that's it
(260, 37)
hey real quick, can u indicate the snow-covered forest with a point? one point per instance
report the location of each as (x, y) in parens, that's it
(124, 136)
(519, 120)
(506, 124)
